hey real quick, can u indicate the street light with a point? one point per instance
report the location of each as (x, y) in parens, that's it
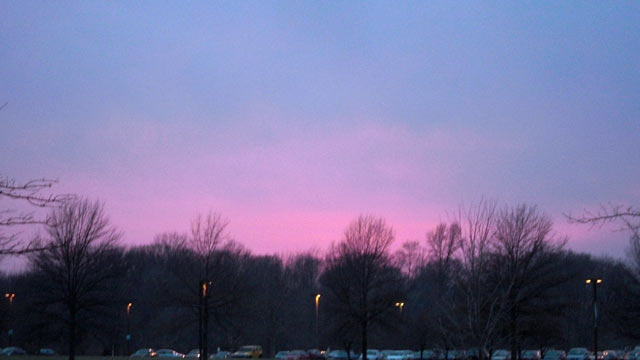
(128, 337)
(400, 305)
(203, 292)
(10, 297)
(317, 320)
(595, 282)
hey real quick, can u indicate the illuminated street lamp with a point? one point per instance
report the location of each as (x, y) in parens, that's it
(317, 320)
(10, 297)
(400, 305)
(203, 295)
(594, 283)
(128, 337)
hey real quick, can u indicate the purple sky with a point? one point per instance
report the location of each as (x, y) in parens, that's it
(291, 118)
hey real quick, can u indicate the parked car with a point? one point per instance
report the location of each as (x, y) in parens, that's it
(632, 355)
(501, 354)
(144, 353)
(385, 353)
(337, 355)
(193, 354)
(315, 354)
(579, 354)
(220, 355)
(477, 354)
(373, 354)
(168, 353)
(12, 351)
(456, 355)
(608, 355)
(47, 352)
(400, 355)
(281, 355)
(341, 355)
(531, 355)
(427, 354)
(297, 355)
(248, 351)
(553, 354)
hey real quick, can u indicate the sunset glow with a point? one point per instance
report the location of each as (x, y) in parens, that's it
(291, 120)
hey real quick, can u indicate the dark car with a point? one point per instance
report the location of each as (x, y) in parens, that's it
(477, 354)
(47, 352)
(12, 351)
(193, 354)
(553, 354)
(220, 355)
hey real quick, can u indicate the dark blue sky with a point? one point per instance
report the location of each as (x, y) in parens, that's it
(291, 118)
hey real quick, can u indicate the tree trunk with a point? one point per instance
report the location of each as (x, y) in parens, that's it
(364, 340)
(72, 332)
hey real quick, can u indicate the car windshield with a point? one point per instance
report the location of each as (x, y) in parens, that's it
(530, 353)
(246, 348)
(577, 351)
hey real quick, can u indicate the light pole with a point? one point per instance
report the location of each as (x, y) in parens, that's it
(594, 283)
(317, 320)
(128, 337)
(204, 318)
(10, 297)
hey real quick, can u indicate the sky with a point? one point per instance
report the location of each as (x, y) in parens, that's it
(291, 118)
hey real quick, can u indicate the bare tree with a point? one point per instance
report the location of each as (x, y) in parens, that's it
(529, 254)
(361, 284)
(627, 216)
(207, 235)
(410, 257)
(479, 289)
(78, 266)
(33, 194)
(207, 267)
(443, 245)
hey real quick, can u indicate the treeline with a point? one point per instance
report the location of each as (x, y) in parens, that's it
(491, 277)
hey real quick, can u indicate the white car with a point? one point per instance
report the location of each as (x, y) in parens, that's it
(373, 354)
(400, 355)
(501, 354)
(531, 355)
(168, 353)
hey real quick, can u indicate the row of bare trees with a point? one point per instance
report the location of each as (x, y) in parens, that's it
(490, 278)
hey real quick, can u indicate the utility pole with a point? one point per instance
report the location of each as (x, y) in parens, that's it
(594, 283)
